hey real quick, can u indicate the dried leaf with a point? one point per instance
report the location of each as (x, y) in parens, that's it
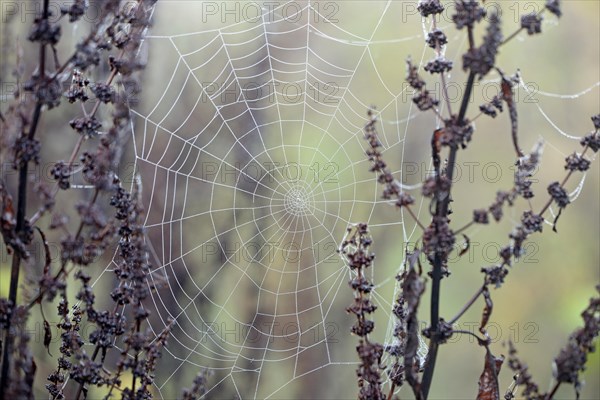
(487, 310)
(488, 381)
(507, 95)
(556, 220)
(436, 147)
(413, 287)
(8, 221)
(47, 336)
(46, 252)
(467, 246)
(8, 225)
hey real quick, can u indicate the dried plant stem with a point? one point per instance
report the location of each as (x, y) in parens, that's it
(7, 347)
(80, 388)
(55, 190)
(20, 223)
(437, 113)
(512, 36)
(63, 266)
(391, 392)
(482, 342)
(77, 147)
(468, 305)
(465, 100)
(136, 357)
(516, 33)
(93, 358)
(438, 52)
(563, 183)
(439, 259)
(439, 237)
(471, 38)
(436, 278)
(430, 362)
(93, 34)
(464, 228)
(120, 366)
(552, 392)
(412, 214)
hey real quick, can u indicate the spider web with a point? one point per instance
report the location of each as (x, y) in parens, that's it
(249, 147)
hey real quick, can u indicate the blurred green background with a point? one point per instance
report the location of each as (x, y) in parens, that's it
(249, 192)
